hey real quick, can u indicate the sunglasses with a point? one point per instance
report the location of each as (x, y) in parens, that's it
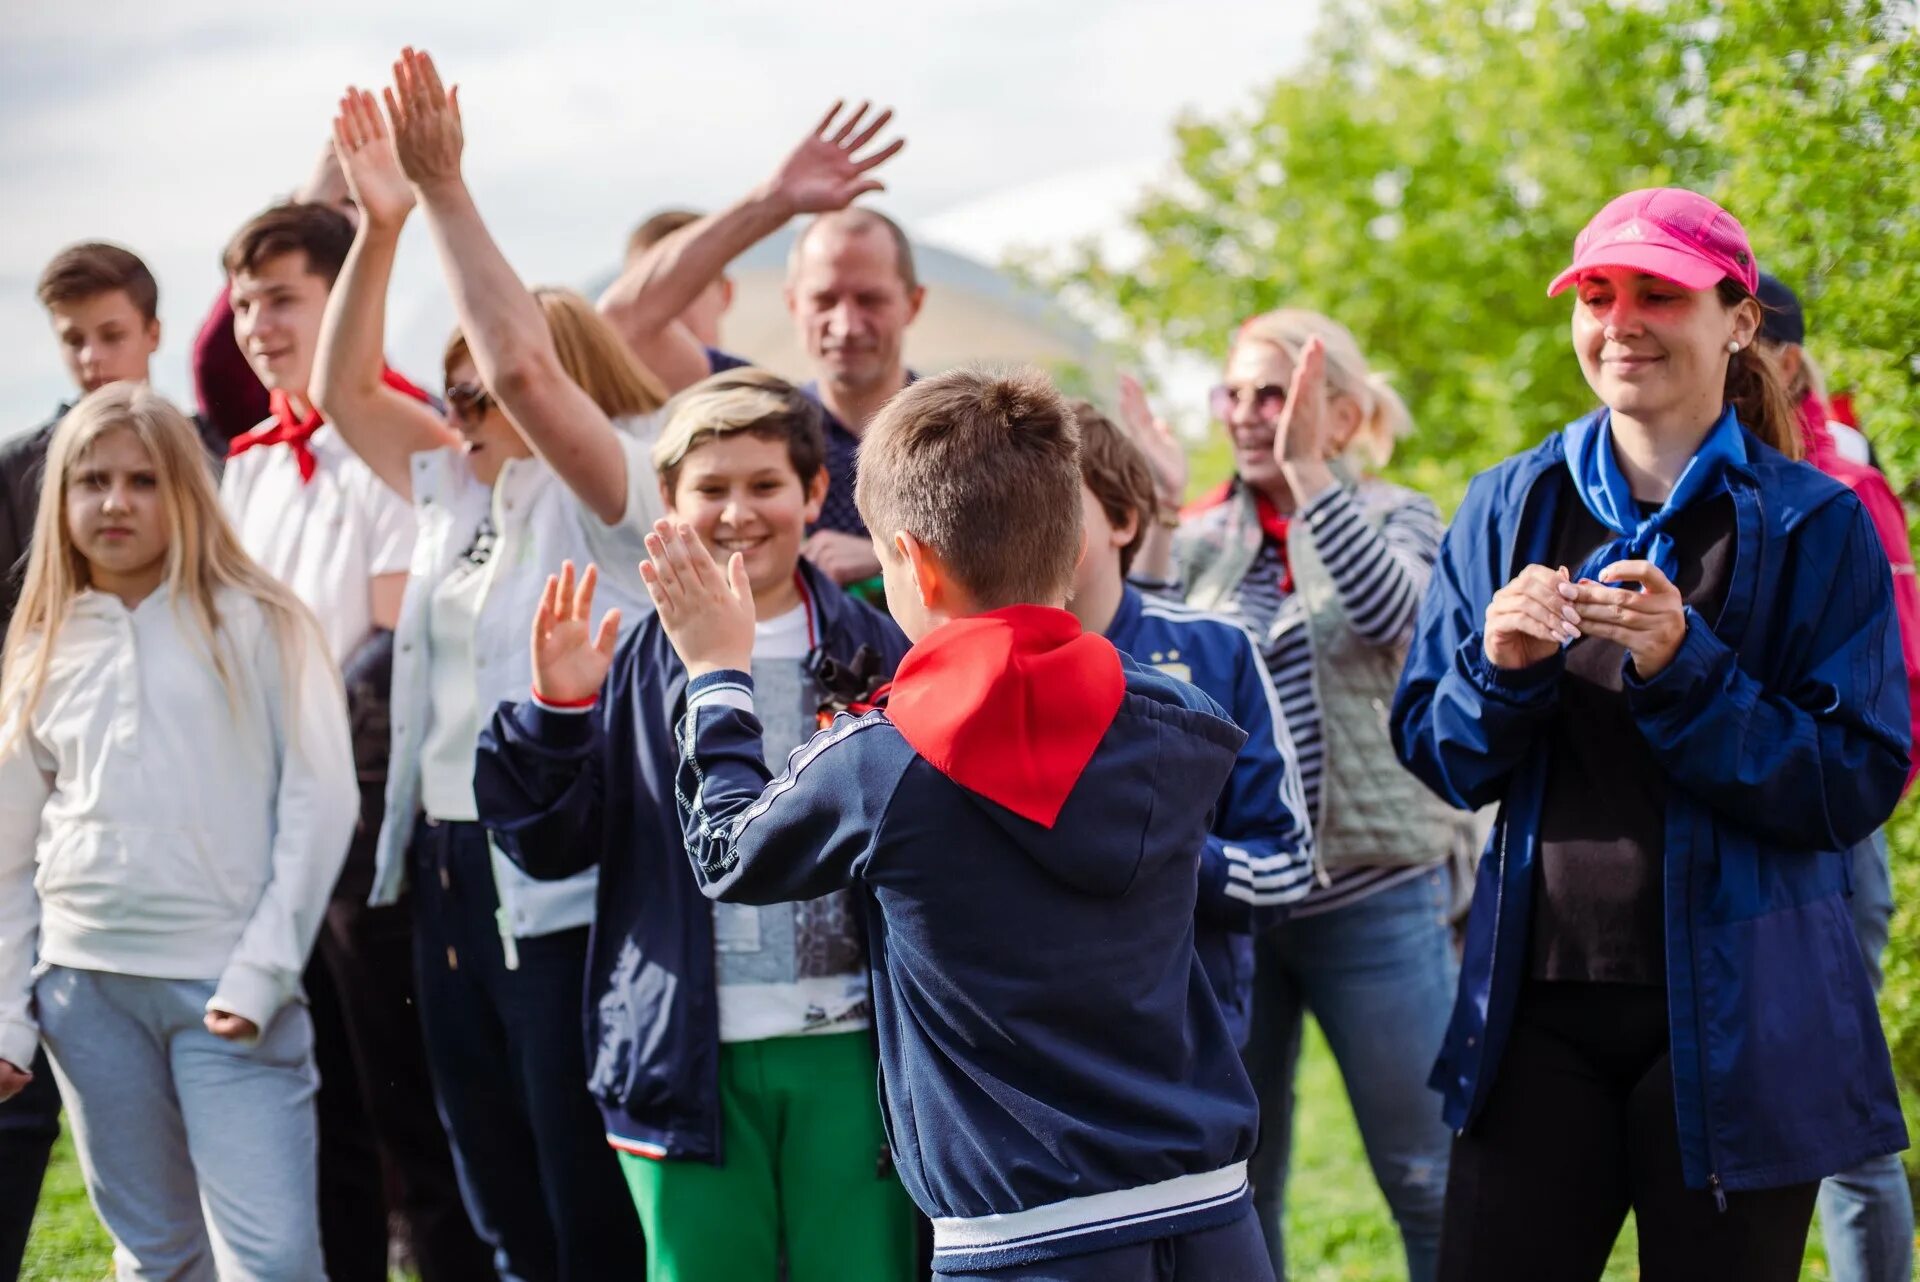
(1267, 399)
(469, 401)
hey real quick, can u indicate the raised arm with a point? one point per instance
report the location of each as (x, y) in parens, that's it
(503, 325)
(381, 424)
(821, 174)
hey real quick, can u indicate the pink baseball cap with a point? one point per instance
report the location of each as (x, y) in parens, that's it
(1669, 232)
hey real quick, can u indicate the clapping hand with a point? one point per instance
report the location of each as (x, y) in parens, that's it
(570, 657)
(1530, 619)
(708, 614)
(823, 174)
(1301, 434)
(426, 120)
(1649, 624)
(366, 156)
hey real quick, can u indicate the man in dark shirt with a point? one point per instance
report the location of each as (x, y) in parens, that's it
(851, 289)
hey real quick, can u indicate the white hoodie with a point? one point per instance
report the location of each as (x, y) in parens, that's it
(148, 826)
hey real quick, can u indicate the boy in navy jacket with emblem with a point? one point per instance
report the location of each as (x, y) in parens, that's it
(729, 1047)
(1021, 826)
(1259, 855)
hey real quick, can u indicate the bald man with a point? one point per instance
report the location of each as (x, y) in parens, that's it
(851, 289)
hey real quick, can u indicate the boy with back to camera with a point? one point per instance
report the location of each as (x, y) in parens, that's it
(1023, 824)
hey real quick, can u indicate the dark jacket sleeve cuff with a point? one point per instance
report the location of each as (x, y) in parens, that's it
(1529, 687)
(556, 728)
(1691, 673)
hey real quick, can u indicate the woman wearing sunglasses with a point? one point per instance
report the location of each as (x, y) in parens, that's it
(1327, 565)
(546, 461)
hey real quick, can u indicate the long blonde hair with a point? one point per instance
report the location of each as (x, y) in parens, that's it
(590, 350)
(1384, 417)
(203, 553)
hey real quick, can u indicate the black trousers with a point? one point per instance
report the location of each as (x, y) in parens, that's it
(383, 1149)
(29, 1124)
(1578, 1129)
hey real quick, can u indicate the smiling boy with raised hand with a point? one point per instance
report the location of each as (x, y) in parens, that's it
(730, 1047)
(1022, 826)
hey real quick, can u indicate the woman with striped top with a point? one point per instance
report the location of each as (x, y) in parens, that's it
(1327, 566)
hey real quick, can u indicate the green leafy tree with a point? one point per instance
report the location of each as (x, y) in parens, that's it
(1423, 175)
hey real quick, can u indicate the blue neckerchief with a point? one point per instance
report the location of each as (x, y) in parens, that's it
(1603, 488)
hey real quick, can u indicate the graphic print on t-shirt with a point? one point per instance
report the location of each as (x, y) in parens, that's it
(788, 968)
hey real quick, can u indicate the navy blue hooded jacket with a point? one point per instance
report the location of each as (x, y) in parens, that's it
(1782, 726)
(562, 790)
(1057, 1076)
(1259, 854)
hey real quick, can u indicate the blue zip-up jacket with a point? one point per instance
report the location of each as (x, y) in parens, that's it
(1259, 854)
(1783, 728)
(1056, 1074)
(564, 790)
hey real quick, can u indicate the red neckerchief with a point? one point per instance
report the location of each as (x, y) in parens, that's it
(286, 429)
(1009, 704)
(1274, 522)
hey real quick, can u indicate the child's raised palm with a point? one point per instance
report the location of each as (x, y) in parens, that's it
(367, 158)
(707, 612)
(570, 657)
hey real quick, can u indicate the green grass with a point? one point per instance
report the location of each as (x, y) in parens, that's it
(1338, 1229)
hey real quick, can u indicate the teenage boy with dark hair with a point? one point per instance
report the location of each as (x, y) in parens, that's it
(315, 516)
(104, 305)
(731, 1046)
(1023, 823)
(1259, 854)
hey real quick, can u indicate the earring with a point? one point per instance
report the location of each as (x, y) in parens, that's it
(1733, 345)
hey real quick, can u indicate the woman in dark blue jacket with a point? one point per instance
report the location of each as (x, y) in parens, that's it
(1669, 652)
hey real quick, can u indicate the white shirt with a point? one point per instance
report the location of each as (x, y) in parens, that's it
(540, 523)
(453, 727)
(148, 826)
(327, 538)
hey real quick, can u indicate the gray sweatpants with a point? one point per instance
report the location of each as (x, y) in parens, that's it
(199, 1153)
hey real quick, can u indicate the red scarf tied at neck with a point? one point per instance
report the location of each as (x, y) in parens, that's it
(296, 431)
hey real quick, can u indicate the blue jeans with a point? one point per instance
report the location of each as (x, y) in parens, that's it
(1379, 976)
(509, 1067)
(1866, 1214)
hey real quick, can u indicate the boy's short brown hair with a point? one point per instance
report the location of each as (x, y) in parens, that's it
(321, 232)
(1117, 472)
(983, 468)
(94, 267)
(741, 401)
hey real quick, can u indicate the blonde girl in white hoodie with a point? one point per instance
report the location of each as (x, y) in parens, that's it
(176, 797)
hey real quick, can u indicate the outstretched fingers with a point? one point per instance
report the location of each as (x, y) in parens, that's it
(849, 125)
(583, 595)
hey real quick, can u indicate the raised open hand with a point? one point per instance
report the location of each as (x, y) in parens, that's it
(426, 120)
(1304, 428)
(570, 658)
(1165, 453)
(365, 151)
(707, 612)
(823, 173)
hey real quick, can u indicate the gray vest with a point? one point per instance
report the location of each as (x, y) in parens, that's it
(1373, 812)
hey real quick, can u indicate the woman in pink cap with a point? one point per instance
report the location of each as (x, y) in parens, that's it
(1669, 652)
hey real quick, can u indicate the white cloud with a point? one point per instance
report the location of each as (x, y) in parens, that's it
(164, 126)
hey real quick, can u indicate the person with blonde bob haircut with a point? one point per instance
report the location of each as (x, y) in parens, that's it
(1327, 565)
(176, 797)
(542, 458)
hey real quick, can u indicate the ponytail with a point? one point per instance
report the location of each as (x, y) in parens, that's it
(1756, 389)
(1388, 419)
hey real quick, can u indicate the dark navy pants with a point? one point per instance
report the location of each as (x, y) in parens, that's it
(29, 1124)
(509, 1067)
(1232, 1252)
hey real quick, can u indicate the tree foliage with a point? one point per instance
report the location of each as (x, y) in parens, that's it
(1423, 174)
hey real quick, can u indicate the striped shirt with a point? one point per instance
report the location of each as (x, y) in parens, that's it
(1381, 574)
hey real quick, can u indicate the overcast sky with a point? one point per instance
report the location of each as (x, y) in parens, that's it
(164, 126)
